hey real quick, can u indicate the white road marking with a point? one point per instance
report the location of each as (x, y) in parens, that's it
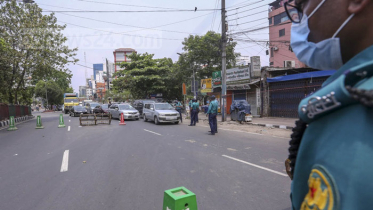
(68, 128)
(234, 130)
(257, 166)
(65, 161)
(69, 120)
(152, 132)
(15, 154)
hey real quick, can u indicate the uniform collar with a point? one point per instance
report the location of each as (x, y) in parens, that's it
(363, 57)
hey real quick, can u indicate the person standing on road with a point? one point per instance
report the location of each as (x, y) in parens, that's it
(331, 147)
(179, 108)
(194, 108)
(211, 113)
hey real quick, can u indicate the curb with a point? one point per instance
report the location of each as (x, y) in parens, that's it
(5, 123)
(273, 126)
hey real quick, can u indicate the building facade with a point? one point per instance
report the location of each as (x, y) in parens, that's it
(120, 55)
(280, 52)
(82, 91)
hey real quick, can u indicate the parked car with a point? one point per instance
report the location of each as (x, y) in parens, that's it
(139, 105)
(160, 112)
(101, 109)
(91, 106)
(78, 110)
(128, 111)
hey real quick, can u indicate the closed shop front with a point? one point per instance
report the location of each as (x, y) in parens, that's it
(251, 99)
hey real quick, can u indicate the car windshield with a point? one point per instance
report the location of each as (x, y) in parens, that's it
(125, 107)
(104, 106)
(70, 100)
(94, 105)
(79, 108)
(163, 107)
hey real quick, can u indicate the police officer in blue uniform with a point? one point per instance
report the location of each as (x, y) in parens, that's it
(194, 110)
(212, 112)
(179, 108)
(331, 148)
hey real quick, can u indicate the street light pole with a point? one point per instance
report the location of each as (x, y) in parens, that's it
(46, 93)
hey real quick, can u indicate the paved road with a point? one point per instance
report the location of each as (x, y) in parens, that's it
(129, 167)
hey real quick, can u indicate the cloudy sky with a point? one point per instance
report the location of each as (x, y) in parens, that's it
(98, 34)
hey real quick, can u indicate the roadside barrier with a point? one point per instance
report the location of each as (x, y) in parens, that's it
(122, 120)
(39, 124)
(62, 124)
(103, 118)
(95, 119)
(179, 199)
(87, 119)
(12, 126)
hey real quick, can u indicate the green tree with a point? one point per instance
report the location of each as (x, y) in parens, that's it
(37, 48)
(50, 90)
(5, 69)
(144, 76)
(203, 54)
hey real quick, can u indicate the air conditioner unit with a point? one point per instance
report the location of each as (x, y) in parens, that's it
(275, 48)
(289, 64)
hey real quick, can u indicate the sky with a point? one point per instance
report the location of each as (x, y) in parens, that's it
(97, 35)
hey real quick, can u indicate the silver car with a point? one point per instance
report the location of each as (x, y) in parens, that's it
(128, 111)
(160, 112)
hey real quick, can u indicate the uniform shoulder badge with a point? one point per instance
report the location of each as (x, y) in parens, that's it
(322, 193)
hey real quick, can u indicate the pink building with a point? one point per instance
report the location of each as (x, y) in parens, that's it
(120, 55)
(281, 54)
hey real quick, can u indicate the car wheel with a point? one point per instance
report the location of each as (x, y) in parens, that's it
(144, 117)
(177, 122)
(156, 120)
(74, 114)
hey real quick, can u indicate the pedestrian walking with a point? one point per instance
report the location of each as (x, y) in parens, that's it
(331, 147)
(211, 113)
(194, 108)
(179, 108)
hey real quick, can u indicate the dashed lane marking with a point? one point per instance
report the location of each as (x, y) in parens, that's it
(254, 165)
(65, 161)
(68, 128)
(153, 132)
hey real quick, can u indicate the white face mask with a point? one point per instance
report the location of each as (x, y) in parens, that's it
(324, 55)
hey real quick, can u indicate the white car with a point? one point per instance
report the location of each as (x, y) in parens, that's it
(160, 112)
(128, 111)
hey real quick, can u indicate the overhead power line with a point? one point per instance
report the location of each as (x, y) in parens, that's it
(131, 5)
(144, 28)
(249, 15)
(248, 22)
(121, 33)
(247, 10)
(136, 11)
(245, 5)
(251, 30)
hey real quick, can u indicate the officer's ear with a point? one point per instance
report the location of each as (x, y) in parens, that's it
(357, 6)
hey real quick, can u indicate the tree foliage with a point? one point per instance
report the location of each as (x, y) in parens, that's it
(35, 48)
(203, 54)
(145, 75)
(50, 90)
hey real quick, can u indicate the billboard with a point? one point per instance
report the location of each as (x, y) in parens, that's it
(216, 79)
(206, 85)
(237, 74)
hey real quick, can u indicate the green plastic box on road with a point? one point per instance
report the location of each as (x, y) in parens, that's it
(179, 199)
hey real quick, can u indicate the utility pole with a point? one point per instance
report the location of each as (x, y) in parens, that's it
(224, 66)
(108, 74)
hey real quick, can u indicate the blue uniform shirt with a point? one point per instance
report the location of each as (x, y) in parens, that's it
(213, 107)
(178, 105)
(334, 167)
(195, 105)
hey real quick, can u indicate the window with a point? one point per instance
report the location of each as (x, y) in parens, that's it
(282, 32)
(283, 17)
(272, 52)
(270, 21)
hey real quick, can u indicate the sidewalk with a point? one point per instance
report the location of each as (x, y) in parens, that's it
(275, 122)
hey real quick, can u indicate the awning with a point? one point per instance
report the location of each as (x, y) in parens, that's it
(302, 76)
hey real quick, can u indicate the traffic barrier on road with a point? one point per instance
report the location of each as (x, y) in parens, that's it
(179, 199)
(103, 118)
(62, 124)
(87, 119)
(122, 119)
(39, 124)
(12, 126)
